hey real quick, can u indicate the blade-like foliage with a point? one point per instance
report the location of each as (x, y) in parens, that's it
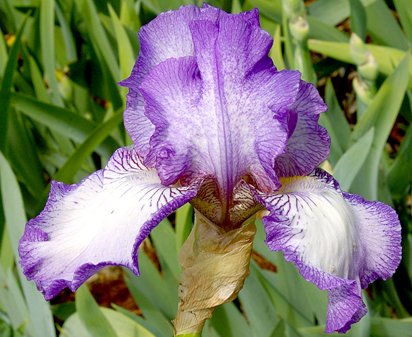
(60, 118)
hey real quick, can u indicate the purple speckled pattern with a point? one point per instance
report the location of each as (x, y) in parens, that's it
(214, 123)
(339, 241)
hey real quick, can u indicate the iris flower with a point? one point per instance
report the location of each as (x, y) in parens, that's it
(214, 123)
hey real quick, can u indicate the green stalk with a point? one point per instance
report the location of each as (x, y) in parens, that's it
(197, 334)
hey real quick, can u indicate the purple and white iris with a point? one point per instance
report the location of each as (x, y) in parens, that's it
(215, 124)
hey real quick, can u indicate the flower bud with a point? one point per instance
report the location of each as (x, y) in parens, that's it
(299, 28)
(293, 8)
(358, 50)
(369, 70)
(362, 91)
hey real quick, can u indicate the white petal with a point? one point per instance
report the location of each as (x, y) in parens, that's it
(339, 241)
(99, 222)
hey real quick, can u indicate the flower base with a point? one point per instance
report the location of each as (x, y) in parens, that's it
(215, 265)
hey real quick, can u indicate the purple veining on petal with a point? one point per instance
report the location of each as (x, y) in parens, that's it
(231, 53)
(231, 100)
(381, 235)
(207, 110)
(165, 37)
(100, 221)
(338, 241)
(308, 143)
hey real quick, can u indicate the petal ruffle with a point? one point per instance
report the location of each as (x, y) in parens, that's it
(167, 36)
(228, 94)
(308, 143)
(338, 241)
(100, 221)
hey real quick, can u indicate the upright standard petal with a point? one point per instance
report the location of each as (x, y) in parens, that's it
(308, 142)
(167, 36)
(100, 221)
(228, 94)
(338, 241)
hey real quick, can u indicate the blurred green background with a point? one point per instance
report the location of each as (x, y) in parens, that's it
(61, 118)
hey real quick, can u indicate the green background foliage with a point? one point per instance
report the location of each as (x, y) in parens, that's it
(61, 118)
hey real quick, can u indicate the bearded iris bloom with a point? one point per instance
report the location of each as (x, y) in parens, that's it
(214, 123)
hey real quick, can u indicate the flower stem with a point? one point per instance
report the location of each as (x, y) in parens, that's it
(215, 264)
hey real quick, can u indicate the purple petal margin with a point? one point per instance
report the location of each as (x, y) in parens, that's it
(373, 240)
(308, 143)
(53, 251)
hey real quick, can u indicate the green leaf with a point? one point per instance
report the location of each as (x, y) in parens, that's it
(156, 288)
(76, 160)
(286, 288)
(358, 18)
(6, 250)
(385, 327)
(3, 55)
(91, 316)
(129, 14)
(63, 310)
(335, 122)
(276, 51)
(38, 82)
(90, 320)
(69, 42)
(279, 330)
(23, 156)
(229, 321)
(140, 320)
(387, 58)
(381, 114)
(98, 36)
(144, 292)
(351, 162)
(11, 298)
(400, 173)
(389, 33)
(183, 224)
(288, 43)
(404, 10)
(236, 6)
(41, 321)
(164, 240)
(47, 48)
(330, 12)
(61, 120)
(385, 105)
(12, 203)
(322, 31)
(271, 10)
(258, 308)
(6, 86)
(126, 54)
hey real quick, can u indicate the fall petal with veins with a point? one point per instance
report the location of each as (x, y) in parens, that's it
(100, 221)
(339, 241)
